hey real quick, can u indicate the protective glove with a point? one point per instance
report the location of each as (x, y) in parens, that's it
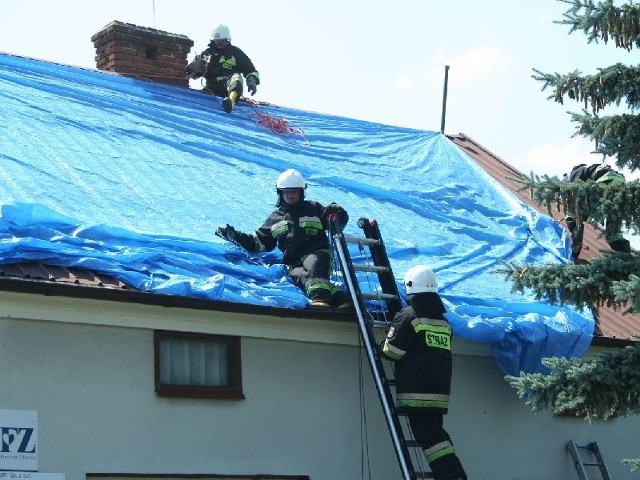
(252, 86)
(227, 233)
(197, 67)
(332, 208)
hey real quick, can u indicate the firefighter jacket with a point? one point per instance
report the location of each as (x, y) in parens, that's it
(225, 62)
(421, 348)
(297, 230)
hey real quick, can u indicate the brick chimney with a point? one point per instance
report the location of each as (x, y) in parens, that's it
(142, 52)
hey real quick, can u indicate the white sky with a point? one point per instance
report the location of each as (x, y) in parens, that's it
(376, 60)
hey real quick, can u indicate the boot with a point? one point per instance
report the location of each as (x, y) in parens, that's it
(576, 237)
(341, 300)
(229, 102)
(320, 298)
(621, 245)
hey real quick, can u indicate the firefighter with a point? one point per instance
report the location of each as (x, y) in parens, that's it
(419, 341)
(223, 66)
(603, 174)
(298, 228)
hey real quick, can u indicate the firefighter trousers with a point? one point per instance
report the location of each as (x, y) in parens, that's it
(428, 431)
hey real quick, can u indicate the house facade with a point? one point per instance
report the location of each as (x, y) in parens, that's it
(307, 409)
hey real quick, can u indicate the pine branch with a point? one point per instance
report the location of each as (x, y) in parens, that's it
(608, 280)
(634, 463)
(617, 204)
(604, 21)
(617, 136)
(605, 386)
(610, 86)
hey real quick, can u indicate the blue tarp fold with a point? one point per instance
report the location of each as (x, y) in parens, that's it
(131, 178)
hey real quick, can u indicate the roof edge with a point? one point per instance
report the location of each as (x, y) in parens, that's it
(124, 295)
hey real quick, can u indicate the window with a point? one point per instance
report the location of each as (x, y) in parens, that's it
(197, 365)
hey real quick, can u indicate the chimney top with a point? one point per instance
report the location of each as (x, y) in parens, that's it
(143, 52)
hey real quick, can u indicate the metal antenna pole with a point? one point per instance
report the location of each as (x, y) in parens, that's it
(444, 97)
(154, 13)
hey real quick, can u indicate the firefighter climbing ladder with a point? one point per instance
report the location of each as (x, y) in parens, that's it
(388, 293)
(581, 463)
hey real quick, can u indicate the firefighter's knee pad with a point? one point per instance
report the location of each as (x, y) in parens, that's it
(235, 84)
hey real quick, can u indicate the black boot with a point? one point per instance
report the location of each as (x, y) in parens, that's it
(576, 237)
(341, 300)
(320, 298)
(621, 245)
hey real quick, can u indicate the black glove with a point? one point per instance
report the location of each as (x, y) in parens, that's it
(227, 233)
(252, 86)
(332, 208)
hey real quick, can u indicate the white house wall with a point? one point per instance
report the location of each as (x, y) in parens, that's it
(92, 383)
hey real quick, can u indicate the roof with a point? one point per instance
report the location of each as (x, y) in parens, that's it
(128, 179)
(611, 323)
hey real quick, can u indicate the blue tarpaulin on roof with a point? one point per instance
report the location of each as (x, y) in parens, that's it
(131, 178)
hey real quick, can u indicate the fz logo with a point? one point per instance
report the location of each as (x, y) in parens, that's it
(17, 440)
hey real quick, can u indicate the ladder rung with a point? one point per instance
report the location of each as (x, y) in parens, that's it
(370, 268)
(377, 296)
(380, 324)
(363, 240)
(424, 475)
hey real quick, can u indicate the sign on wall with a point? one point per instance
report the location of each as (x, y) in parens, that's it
(31, 476)
(18, 440)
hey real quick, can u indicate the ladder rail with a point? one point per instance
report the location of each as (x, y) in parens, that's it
(375, 362)
(380, 257)
(580, 463)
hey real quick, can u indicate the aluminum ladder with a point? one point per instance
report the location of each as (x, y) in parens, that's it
(581, 464)
(388, 295)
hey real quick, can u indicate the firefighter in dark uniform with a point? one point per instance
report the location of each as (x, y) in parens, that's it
(223, 65)
(298, 228)
(419, 341)
(605, 175)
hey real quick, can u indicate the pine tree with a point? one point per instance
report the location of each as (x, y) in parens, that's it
(612, 279)
(606, 385)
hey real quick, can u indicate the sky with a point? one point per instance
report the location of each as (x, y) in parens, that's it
(374, 60)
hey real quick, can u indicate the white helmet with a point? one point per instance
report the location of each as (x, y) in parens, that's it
(221, 32)
(290, 179)
(420, 279)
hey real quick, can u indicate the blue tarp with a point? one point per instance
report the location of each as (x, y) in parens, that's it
(131, 178)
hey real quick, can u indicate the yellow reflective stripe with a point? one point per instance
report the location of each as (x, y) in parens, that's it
(423, 404)
(392, 351)
(310, 222)
(423, 400)
(429, 321)
(439, 450)
(435, 336)
(608, 177)
(279, 228)
(319, 286)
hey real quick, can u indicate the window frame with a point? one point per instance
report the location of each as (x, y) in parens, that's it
(234, 361)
